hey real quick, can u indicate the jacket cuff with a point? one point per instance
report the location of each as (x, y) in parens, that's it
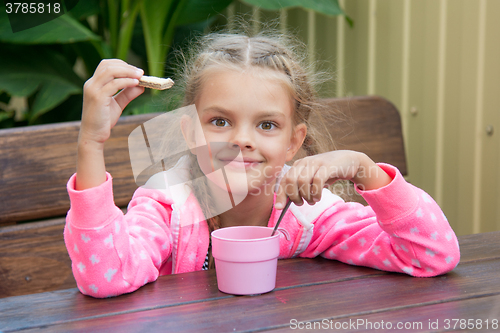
(393, 201)
(93, 207)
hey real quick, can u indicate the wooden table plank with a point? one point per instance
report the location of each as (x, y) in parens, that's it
(335, 300)
(482, 246)
(441, 317)
(66, 305)
(191, 288)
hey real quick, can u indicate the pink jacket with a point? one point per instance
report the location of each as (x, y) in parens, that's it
(402, 230)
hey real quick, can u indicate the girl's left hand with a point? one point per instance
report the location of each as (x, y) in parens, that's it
(307, 177)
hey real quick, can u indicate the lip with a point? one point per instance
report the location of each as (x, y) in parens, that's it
(238, 163)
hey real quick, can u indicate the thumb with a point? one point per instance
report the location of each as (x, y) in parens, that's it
(280, 197)
(128, 94)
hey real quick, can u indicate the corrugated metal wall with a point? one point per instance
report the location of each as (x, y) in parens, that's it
(438, 61)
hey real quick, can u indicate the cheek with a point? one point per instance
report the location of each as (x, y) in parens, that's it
(200, 138)
(274, 148)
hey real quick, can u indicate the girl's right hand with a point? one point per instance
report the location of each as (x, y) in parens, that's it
(102, 106)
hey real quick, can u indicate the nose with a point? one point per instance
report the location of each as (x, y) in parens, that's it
(243, 138)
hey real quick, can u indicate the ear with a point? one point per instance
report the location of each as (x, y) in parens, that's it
(299, 134)
(187, 128)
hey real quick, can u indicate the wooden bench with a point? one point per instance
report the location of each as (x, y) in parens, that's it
(36, 163)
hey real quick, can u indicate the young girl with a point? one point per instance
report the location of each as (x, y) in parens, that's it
(253, 94)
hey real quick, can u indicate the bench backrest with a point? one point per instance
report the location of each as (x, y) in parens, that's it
(371, 125)
(36, 162)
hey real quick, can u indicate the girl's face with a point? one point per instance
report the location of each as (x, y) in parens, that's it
(253, 115)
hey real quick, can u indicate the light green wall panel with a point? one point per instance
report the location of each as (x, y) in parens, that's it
(491, 143)
(438, 62)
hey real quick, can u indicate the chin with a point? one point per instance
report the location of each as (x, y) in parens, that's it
(235, 183)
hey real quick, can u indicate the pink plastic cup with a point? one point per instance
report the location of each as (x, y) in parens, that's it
(246, 259)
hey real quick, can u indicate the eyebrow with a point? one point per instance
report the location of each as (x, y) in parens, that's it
(262, 114)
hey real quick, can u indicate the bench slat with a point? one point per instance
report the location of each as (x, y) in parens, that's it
(36, 163)
(33, 258)
(371, 125)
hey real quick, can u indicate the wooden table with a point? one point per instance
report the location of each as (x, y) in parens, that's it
(333, 295)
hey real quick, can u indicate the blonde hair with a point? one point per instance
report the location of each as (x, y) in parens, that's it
(272, 51)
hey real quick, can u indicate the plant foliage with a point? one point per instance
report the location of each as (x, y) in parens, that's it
(48, 64)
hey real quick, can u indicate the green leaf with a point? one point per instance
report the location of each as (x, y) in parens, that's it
(63, 29)
(85, 8)
(21, 74)
(52, 93)
(4, 115)
(154, 15)
(328, 7)
(201, 10)
(162, 102)
(145, 104)
(91, 54)
(127, 25)
(19, 85)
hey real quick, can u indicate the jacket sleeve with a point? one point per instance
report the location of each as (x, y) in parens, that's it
(402, 230)
(114, 253)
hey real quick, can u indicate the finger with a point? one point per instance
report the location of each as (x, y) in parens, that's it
(331, 181)
(112, 87)
(292, 184)
(281, 195)
(110, 71)
(319, 180)
(111, 61)
(128, 94)
(304, 185)
(105, 64)
(334, 187)
(305, 181)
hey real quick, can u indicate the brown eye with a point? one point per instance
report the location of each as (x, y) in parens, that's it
(219, 122)
(267, 126)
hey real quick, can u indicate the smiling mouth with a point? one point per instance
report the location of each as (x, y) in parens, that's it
(240, 164)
